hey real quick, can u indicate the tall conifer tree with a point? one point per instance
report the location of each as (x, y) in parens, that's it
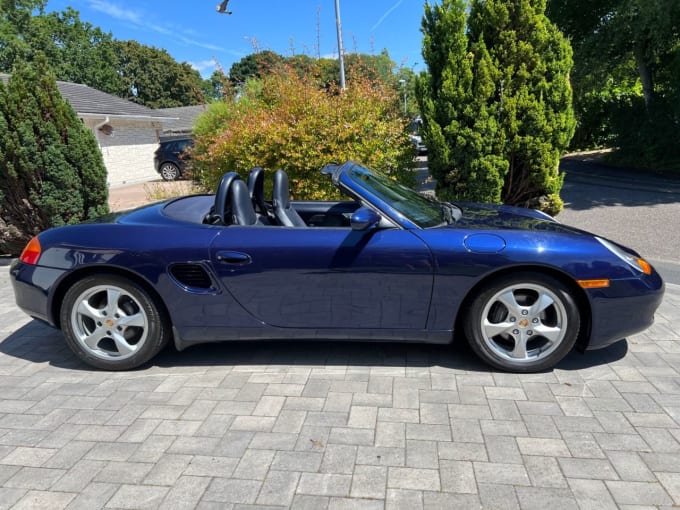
(496, 101)
(52, 172)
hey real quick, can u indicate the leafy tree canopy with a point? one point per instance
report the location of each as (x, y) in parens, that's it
(627, 63)
(150, 76)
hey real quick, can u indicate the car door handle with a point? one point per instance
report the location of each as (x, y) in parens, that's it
(235, 258)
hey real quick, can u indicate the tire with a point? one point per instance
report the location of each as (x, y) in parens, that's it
(112, 323)
(169, 171)
(526, 322)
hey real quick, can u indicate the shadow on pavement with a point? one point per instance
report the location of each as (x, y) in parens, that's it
(589, 185)
(38, 343)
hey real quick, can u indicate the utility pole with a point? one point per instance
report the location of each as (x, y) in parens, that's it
(340, 50)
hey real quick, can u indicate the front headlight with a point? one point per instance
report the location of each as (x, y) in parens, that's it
(636, 262)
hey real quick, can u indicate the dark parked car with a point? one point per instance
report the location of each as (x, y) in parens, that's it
(386, 264)
(170, 159)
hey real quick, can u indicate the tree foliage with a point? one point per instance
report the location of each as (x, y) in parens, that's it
(76, 51)
(52, 172)
(627, 64)
(287, 121)
(81, 53)
(496, 101)
(150, 76)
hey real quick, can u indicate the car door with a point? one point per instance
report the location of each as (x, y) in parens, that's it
(327, 277)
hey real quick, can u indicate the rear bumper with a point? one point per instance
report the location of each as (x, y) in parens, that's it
(31, 285)
(623, 309)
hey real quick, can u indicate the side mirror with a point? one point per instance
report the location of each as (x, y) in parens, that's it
(364, 219)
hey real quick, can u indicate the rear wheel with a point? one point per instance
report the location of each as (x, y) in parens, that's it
(523, 323)
(111, 322)
(169, 171)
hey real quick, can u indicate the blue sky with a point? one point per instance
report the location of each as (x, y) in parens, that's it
(192, 30)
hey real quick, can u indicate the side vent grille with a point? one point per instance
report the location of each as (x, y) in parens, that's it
(191, 275)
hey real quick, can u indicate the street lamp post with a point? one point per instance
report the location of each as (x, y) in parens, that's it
(403, 85)
(340, 50)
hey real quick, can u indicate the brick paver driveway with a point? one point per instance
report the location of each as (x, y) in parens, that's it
(332, 425)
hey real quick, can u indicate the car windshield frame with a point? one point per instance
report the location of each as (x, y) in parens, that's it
(393, 198)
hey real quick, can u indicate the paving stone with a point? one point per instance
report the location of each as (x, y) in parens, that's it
(338, 459)
(305, 502)
(278, 488)
(40, 479)
(224, 490)
(137, 496)
(493, 496)
(538, 498)
(595, 469)
(496, 472)
(38, 500)
(254, 464)
(168, 469)
(544, 471)
(123, 472)
(94, 495)
(504, 410)
(207, 466)
(457, 476)
(369, 482)
(671, 482)
(399, 499)
(362, 417)
(414, 479)
(638, 493)
(297, 461)
(502, 449)
(630, 466)
(592, 494)
(324, 484)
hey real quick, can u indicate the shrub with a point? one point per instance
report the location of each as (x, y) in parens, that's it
(287, 121)
(52, 172)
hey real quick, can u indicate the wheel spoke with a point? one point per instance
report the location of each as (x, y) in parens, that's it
(492, 329)
(136, 319)
(92, 340)
(112, 297)
(508, 299)
(520, 349)
(553, 334)
(122, 344)
(543, 302)
(84, 308)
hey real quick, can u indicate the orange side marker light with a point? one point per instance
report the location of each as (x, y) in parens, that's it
(594, 284)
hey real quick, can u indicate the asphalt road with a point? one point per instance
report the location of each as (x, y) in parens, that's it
(634, 209)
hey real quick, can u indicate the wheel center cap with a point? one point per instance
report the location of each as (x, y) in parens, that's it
(109, 323)
(523, 323)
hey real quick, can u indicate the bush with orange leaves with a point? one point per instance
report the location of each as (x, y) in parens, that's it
(286, 121)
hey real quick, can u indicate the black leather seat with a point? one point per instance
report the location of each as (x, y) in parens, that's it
(242, 210)
(256, 190)
(283, 211)
(219, 215)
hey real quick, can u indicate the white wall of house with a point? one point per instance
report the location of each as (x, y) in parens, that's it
(128, 151)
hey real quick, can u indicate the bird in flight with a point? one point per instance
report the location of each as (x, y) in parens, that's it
(222, 7)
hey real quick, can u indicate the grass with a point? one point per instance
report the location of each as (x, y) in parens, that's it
(156, 191)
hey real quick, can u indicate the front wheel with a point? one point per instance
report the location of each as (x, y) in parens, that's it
(525, 322)
(169, 171)
(111, 322)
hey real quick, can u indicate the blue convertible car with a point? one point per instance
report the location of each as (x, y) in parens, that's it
(388, 264)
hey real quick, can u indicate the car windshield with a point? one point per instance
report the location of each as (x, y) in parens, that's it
(424, 212)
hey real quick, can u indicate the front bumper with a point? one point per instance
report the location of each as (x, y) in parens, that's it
(626, 307)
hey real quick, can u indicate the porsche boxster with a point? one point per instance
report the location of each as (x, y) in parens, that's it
(387, 264)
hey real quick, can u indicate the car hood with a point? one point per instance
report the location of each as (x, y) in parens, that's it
(503, 217)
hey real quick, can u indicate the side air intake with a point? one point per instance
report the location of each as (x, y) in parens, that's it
(191, 275)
